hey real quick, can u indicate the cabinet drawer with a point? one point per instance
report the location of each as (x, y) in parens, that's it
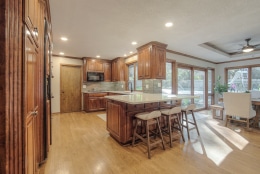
(135, 107)
(151, 105)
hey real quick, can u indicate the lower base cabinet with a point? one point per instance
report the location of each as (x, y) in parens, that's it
(94, 101)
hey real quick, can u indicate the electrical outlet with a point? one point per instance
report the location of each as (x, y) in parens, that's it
(84, 86)
(122, 86)
(147, 86)
(159, 85)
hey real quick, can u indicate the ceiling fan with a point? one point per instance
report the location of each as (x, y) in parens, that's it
(248, 48)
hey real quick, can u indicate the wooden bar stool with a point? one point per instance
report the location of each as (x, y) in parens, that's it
(173, 118)
(184, 111)
(148, 118)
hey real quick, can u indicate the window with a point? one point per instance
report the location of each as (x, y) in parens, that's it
(211, 75)
(199, 88)
(238, 80)
(167, 83)
(133, 77)
(241, 79)
(184, 84)
(193, 81)
(255, 81)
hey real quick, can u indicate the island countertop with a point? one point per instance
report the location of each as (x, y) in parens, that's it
(139, 98)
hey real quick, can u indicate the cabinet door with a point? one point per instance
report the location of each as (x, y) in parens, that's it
(94, 65)
(31, 102)
(107, 71)
(94, 103)
(114, 71)
(160, 63)
(91, 64)
(113, 119)
(31, 17)
(99, 66)
(144, 64)
(102, 101)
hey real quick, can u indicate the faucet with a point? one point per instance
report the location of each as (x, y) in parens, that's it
(131, 86)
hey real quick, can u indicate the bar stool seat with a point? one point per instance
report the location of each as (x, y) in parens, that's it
(184, 111)
(148, 118)
(173, 118)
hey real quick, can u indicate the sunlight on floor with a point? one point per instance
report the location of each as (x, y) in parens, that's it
(232, 136)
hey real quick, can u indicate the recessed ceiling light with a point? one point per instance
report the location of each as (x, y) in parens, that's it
(131, 52)
(98, 56)
(168, 24)
(64, 38)
(134, 43)
(61, 53)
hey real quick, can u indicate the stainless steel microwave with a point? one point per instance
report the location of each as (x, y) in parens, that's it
(95, 76)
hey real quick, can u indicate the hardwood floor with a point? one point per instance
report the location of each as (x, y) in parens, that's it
(81, 145)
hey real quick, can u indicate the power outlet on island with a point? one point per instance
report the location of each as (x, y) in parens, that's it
(147, 86)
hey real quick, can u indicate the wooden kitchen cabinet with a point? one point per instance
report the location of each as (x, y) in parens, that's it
(94, 65)
(118, 69)
(107, 71)
(97, 65)
(152, 61)
(31, 17)
(94, 101)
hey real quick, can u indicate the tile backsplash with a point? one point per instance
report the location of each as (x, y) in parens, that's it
(152, 86)
(103, 86)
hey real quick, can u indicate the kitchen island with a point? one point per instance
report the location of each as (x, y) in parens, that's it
(121, 110)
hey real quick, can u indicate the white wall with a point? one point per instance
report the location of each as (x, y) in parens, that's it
(55, 83)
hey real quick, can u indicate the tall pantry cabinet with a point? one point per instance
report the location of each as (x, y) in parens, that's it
(25, 45)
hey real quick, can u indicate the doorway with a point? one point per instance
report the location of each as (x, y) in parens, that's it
(70, 88)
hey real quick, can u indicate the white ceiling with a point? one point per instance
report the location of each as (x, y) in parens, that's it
(107, 27)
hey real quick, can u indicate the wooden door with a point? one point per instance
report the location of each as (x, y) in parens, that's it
(70, 88)
(31, 103)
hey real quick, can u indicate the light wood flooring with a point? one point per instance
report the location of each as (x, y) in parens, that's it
(81, 145)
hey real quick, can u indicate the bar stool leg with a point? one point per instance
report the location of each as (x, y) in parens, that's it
(133, 142)
(187, 124)
(148, 140)
(195, 123)
(160, 131)
(179, 125)
(170, 129)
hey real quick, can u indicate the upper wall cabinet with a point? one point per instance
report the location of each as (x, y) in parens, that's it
(97, 65)
(118, 69)
(94, 65)
(107, 71)
(31, 17)
(152, 61)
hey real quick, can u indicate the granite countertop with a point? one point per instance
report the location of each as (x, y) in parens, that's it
(117, 92)
(147, 98)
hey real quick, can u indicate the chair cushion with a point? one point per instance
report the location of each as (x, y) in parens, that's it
(190, 107)
(148, 115)
(174, 110)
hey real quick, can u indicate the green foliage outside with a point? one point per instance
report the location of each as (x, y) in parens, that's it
(220, 88)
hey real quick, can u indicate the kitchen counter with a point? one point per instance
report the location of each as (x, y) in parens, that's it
(121, 110)
(139, 98)
(116, 92)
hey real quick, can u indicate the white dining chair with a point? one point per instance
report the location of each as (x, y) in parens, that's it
(238, 105)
